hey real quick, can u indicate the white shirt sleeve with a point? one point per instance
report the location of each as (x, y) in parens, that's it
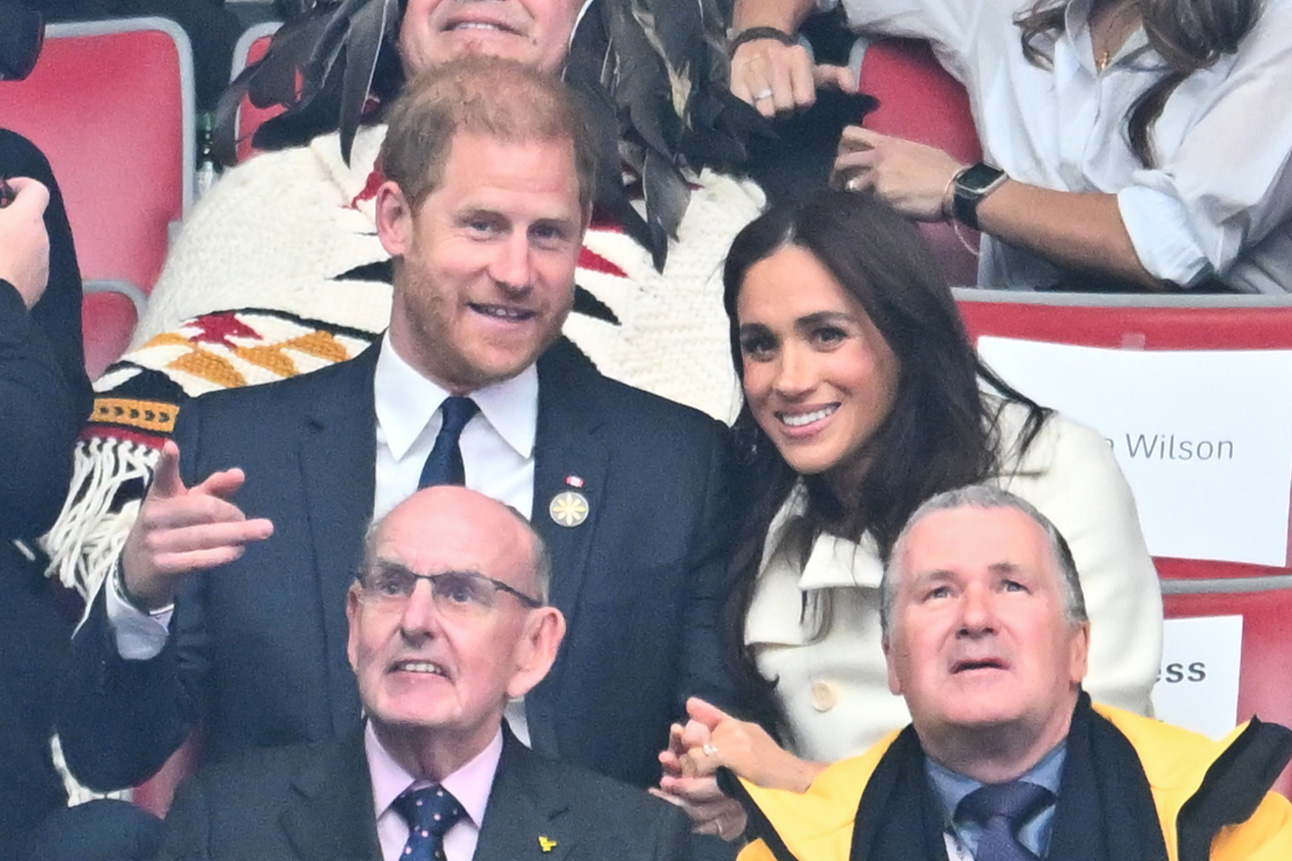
(139, 635)
(944, 23)
(1228, 183)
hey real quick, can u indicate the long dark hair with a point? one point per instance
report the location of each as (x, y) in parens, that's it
(940, 433)
(1187, 34)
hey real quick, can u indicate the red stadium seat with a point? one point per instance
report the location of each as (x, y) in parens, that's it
(918, 100)
(1131, 322)
(156, 793)
(1262, 595)
(1263, 688)
(250, 48)
(109, 313)
(111, 105)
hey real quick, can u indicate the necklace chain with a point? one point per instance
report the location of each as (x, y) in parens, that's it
(1112, 28)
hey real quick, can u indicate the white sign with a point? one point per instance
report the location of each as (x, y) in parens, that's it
(1204, 437)
(1197, 687)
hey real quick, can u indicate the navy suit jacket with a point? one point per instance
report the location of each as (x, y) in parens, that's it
(258, 647)
(44, 399)
(314, 802)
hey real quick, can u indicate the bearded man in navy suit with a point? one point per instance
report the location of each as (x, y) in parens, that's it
(229, 607)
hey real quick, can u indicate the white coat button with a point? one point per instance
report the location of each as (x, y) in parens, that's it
(824, 696)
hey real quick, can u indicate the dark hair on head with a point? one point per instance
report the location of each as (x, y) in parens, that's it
(1187, 34)
(940, 432)
(489, 97)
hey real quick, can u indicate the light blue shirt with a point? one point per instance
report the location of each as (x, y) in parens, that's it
(951, 789)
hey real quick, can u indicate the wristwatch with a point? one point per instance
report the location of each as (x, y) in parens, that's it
(971, 185)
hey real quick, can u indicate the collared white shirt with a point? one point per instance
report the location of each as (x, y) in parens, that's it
(470, 785)
(1219, 200)
(497, 444)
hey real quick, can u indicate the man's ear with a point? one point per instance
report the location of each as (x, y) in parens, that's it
(894, 683)
(352, 598)
(1079, 653)
(536, 649)
(394, 219)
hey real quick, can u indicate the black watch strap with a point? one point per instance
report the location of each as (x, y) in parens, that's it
(754, 33)
(971, 185)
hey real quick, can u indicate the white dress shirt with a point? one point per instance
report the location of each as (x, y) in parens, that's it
(470, 785)
(1218, 202)
(497, 444)
(497, 447)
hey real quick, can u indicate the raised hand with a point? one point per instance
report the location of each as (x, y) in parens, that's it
(710, 811)
(780, 79)
(182, 529)
(912, 178)
(714, 738)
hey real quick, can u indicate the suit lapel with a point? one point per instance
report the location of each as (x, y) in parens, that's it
(525, 817)
(569, 447)
(329, 814)
(337, 456)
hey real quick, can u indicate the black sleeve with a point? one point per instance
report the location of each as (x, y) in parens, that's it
(44, 393)
(705, 673)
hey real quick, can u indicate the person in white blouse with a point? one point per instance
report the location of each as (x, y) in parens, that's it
(1127, 144)
(863, 398)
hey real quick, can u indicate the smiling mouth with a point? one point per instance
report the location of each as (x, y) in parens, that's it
(503, 312)
(478, 25)
(798, 420)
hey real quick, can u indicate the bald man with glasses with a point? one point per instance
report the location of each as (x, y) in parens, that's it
(448, 620)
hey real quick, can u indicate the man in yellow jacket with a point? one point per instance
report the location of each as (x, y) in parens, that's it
(986, 636)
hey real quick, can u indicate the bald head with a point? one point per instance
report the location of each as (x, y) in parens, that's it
(446, 625)
(472, 524)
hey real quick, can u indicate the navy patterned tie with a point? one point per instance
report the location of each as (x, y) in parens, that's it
(1001, 809)
(430, 812)
(444, 463)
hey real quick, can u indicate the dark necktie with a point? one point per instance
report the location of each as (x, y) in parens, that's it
(1001, 809)
(430, 812)
(444, 463)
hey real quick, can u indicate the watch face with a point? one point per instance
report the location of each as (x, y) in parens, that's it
(979, 177)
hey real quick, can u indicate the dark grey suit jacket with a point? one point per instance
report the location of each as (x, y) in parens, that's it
(258, 646)
(314, 802)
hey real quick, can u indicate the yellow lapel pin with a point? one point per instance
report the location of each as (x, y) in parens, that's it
(547, 844)
(569, 508)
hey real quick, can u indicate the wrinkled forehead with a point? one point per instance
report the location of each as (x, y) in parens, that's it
(462, 534)
(973, 541)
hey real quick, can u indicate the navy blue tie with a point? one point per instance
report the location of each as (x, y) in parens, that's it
(1001, 809)
(430, 812)
(444, 463)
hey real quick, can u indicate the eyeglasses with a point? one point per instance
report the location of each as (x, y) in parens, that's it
(455, 593)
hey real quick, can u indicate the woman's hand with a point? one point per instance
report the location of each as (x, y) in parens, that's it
(710, 811)
(779, 79)
(713, 738)
(912, 178)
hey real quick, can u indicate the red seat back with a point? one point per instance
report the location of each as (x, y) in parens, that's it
(1263, 688)
(1191, 587)
(918, 100)
(1130, 322)
(108, 319)
(111, 105)
(250, 49)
